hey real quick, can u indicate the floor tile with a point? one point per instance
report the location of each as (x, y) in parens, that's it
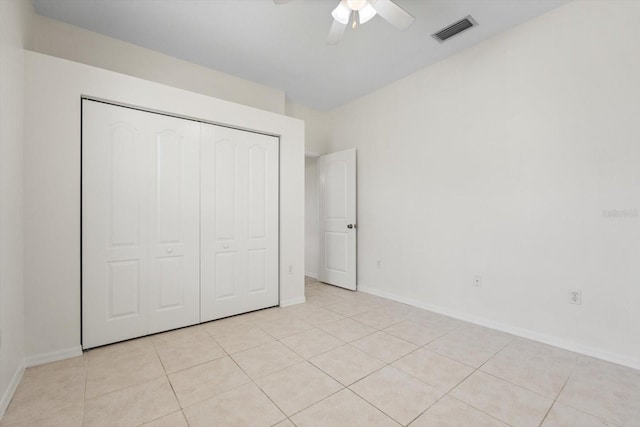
(298, 387)
(318, 316)
(381, 318)
(187, 350)
(564, 416)
(471, 345)
(121, 365)
(343, 409)
(605, 390)
(246, 406)
(384, 346)
(397, 394)
(534, 366)
(507, 402)
(266, 359)
(242, 338)
(131, 406)
(322, 300)
(207, 380)
(48, 389)
(65, 416)
(347, 329)
(450, 412)
(285, 423)
(347, 364)
(434, 369)
(418, 332)
(349, 309)
(515, 384)
(284, 327)
(311, 343)
(175, 419)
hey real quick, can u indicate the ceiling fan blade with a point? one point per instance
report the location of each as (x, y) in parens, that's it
(336, 32)
(394, 14)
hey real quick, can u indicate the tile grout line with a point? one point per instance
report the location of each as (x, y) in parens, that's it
(555, 400)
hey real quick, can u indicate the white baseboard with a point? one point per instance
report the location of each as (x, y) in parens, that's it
(598, 353)
(53, 356)
(13, 385)
(293, 301)
(312, 275)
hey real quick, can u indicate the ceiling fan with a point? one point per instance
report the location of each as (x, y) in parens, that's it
(361, 11)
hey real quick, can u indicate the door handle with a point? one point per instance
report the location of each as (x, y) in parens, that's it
(351, 226)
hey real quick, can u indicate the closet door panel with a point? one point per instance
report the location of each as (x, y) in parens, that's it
(114, 257)
(239, 203)
(140, 230)
(222, 214)
(262, 241)
(174, 292)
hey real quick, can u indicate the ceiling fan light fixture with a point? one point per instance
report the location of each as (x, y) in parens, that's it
(357, 4)
(342, 12)
(366, 13)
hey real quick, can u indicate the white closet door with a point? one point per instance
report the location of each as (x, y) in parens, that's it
(239, 222)
(174, 229)
(140, 233)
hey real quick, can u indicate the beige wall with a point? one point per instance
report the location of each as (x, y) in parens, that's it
(76, 44)
(317, 129)
(66, 41)
(14, 20)
(504, 161)
(311, 227)
(52, 187)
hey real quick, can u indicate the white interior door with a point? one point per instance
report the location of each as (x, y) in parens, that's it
(239, 217)
(140, 230)
(337, 207)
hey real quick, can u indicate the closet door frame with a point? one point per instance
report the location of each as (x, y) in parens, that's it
(178, 116)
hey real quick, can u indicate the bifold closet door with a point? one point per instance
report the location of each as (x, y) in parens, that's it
(239, 222)
(140, 230)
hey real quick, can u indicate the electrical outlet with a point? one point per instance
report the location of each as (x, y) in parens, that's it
(291, 269)
(477, 281)
(379, 263)
(575, 297)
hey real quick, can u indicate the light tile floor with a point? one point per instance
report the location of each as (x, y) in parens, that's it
(341, 359)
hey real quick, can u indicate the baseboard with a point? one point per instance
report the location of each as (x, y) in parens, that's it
(293, 301)
(598, 353)
(53, 356)
(13, 386)
(312, 275)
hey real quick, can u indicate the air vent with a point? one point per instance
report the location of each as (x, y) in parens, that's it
(454, 29)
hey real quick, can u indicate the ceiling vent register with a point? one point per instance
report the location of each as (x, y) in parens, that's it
(454, 29)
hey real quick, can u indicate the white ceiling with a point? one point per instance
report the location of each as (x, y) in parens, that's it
(285, 46)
